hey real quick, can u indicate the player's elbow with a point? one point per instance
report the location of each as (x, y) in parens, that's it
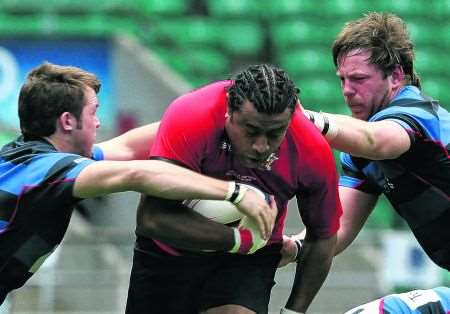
(381, 151)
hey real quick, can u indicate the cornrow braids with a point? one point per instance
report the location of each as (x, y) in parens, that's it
(387, 39)
(266, 86)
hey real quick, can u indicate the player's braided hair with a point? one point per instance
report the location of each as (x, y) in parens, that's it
(386, 36)
(266, 86)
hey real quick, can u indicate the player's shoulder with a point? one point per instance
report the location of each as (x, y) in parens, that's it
(417, 109)
(199, 105)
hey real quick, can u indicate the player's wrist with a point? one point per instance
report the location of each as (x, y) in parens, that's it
(243, 241)
(288, 311)
(236, 192)
(299, 245)
(237, 241)
(324, 122)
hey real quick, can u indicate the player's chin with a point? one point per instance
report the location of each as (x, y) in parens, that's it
(251, 162)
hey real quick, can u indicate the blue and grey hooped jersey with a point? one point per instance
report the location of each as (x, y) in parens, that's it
(418, 182)
(36, 203)
(431, 301)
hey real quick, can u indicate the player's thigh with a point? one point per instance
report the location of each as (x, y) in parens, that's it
(244, 281)
(164, 285)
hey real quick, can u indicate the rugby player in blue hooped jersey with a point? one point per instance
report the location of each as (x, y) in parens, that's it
(396, 143)
(430, 301)
(46, 171)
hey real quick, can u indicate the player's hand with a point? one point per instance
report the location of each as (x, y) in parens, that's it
(260, 210)
(290, 250)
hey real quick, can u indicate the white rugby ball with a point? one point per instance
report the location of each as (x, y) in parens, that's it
(224, 212)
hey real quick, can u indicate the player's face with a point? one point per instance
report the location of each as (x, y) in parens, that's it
(255, 136)
(364, 87)
(84, 135)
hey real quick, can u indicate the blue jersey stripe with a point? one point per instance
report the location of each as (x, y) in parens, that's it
(15, 177)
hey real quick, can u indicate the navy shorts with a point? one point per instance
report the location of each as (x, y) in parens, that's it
(166, 284)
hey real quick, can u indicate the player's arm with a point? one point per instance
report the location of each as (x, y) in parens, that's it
(134, 144)
(313, 267)
(320, 209)
(378, 140)
(176, 225)
(357, 206)
(169, 181)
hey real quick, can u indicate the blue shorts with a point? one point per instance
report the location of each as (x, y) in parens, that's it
(161, 283)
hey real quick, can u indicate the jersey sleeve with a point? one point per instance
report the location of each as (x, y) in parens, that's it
(353, 177)
(318, 202)
(184, 130)
(97, 153)
(61, 176)
(419, 121)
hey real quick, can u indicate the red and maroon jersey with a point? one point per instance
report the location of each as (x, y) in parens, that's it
(192, 132)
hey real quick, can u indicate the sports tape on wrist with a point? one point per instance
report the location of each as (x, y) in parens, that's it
(235, 193)
(237, 241)
(241, 193)
(330, 128)
(231, 188)
(299, 244)
(243, 241)
(324, 122)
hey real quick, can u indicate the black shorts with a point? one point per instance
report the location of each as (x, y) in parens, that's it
(163, 284)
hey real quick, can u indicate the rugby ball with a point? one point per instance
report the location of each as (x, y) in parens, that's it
(224, 212)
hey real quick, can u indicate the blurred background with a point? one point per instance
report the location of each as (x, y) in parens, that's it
(146, 53)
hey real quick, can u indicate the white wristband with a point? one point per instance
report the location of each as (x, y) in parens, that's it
(237, 241)
(287, 311)
(324, 122)
(329, 122)
(242, 191)
(231, 187)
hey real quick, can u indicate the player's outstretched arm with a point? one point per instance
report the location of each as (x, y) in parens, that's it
(357, 207)
(169, 181)
(373, 140)
(134, 144)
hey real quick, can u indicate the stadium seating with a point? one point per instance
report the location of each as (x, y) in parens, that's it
(162, 8)
(182, 32)
(233, 8)
(437, 87)
(22, 7)
(242, 38)
(431, 61)
(307, 60)
(11, 25)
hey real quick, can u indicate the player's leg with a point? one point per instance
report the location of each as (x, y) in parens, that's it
(242, 284)
(3, 293)
(160, 283)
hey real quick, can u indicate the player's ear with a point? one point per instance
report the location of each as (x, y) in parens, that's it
(398, 76)
(67, 121)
